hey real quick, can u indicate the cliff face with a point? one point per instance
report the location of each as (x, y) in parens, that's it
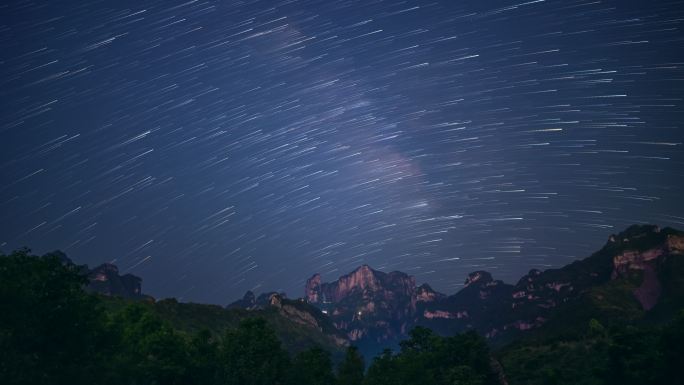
(251, 302)
(369, 304)
(639, 270)
(649, 262)
(629, 268)
(106, 280)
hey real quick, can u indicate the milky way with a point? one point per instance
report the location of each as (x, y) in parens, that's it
(215, 147)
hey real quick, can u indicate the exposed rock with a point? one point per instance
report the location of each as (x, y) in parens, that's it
(369, 305)
(649, 292)
(105, 279)
(424, 293)
(294, 314)
(312, 291)
(438, 314)
(647, 262)
(478, 277)
(356, 301)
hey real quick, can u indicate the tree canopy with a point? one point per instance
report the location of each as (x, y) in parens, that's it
(53, 332)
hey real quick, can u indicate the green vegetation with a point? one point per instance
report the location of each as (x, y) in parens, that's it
(52, 332)
(190, 318)
(625, 354)
(426, 358)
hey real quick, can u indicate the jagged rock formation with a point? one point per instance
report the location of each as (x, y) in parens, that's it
(639, 270)
(105, 279)
(248, 302)
(302, 313)
(368, 304)
(628, 269)
(251, 302)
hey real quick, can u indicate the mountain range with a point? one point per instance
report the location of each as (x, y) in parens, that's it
(638, 274)
(614, 317)
(105, 279)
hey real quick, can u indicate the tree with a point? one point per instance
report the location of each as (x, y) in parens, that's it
(351, 369)
(204, 360)
(634, 357)
(464, 375)
(252, 355)
(427, 358)
(672, 341)
(148, 350)
(51, 332)
(312, 367)
(421, 340)
(384, 370)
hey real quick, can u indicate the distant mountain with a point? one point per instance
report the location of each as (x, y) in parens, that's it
(297, 311)
(368, 304)
(250, 301)
(106, 280)
(298, 324)
(638, 274)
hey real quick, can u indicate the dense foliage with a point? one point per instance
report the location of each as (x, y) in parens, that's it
(426, 358)
(52, 332)
(624, 355)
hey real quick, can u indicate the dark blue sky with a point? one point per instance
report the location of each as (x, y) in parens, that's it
(214, 147)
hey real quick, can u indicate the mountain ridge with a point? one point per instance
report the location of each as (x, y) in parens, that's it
(626, 278)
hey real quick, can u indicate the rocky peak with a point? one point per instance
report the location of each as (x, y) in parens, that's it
(638, 231)
(371, 305)
(312, 291)
(424, 293)
(106, 268)
(675, 243)
(275, 300)
(250, 301)
(363, 278)
(482, 278)
(105, 279)
(249, 297)
(367, 303)
(638, 237)
(644, 249)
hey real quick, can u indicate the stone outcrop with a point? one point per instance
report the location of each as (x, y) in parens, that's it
(371, 306)
(105, 279)
(647, 263)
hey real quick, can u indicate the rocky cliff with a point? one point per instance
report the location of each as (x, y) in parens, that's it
(105, 279)
(628, 274)
(368, 304)
(639, 271)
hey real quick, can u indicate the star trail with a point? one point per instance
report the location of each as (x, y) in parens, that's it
(213, 147)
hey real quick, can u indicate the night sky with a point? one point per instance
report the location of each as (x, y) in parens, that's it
(213, 147)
